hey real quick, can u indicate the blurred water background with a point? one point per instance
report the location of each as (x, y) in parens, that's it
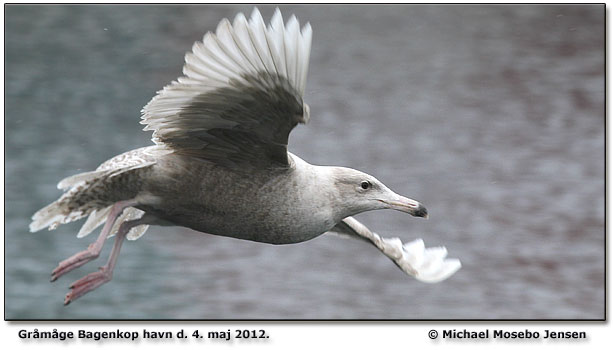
(492, 116)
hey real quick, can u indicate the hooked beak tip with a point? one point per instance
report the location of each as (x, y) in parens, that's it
(408, 206)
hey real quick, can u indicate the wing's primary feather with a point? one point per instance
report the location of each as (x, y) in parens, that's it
(240, 96)
(429, 265)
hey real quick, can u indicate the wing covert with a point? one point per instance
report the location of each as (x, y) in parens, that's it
(240, 97)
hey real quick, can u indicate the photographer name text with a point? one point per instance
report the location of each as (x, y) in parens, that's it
(504, 334)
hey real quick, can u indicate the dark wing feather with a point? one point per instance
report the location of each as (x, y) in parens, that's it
(240, 98)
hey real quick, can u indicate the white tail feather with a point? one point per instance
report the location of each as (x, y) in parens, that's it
(47, 216)
(79, 201)
(55, 214)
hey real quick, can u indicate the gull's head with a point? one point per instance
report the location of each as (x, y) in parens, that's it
(361, 192)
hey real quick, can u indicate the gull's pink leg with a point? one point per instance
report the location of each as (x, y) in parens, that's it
(105, 273)
(94, 249)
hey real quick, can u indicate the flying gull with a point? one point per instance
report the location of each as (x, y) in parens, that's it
(220, 163)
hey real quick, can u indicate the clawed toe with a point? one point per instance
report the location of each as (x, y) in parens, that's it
(96, 279)
(72, 263)
(87, 284)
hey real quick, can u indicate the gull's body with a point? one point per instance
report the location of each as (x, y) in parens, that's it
(220, 164)
(250, 206)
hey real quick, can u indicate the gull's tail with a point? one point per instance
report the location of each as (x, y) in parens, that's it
(74, 204)
(93, 193)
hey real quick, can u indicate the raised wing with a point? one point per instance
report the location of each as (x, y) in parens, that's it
(241, 94)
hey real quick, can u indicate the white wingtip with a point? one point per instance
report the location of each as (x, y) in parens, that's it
(427, 265)
(446, 270)
(256, 15)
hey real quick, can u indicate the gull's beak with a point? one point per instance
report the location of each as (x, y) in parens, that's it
(407, 205)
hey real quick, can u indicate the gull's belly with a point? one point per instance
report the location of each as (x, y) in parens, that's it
(263, 218)
(273, 226)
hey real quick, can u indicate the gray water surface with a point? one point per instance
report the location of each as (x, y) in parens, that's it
(492, 116)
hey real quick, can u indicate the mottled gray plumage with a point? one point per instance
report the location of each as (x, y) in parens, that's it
(220, 164)
(245, 125)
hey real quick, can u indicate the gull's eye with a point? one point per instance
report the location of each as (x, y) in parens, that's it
(366, 185)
